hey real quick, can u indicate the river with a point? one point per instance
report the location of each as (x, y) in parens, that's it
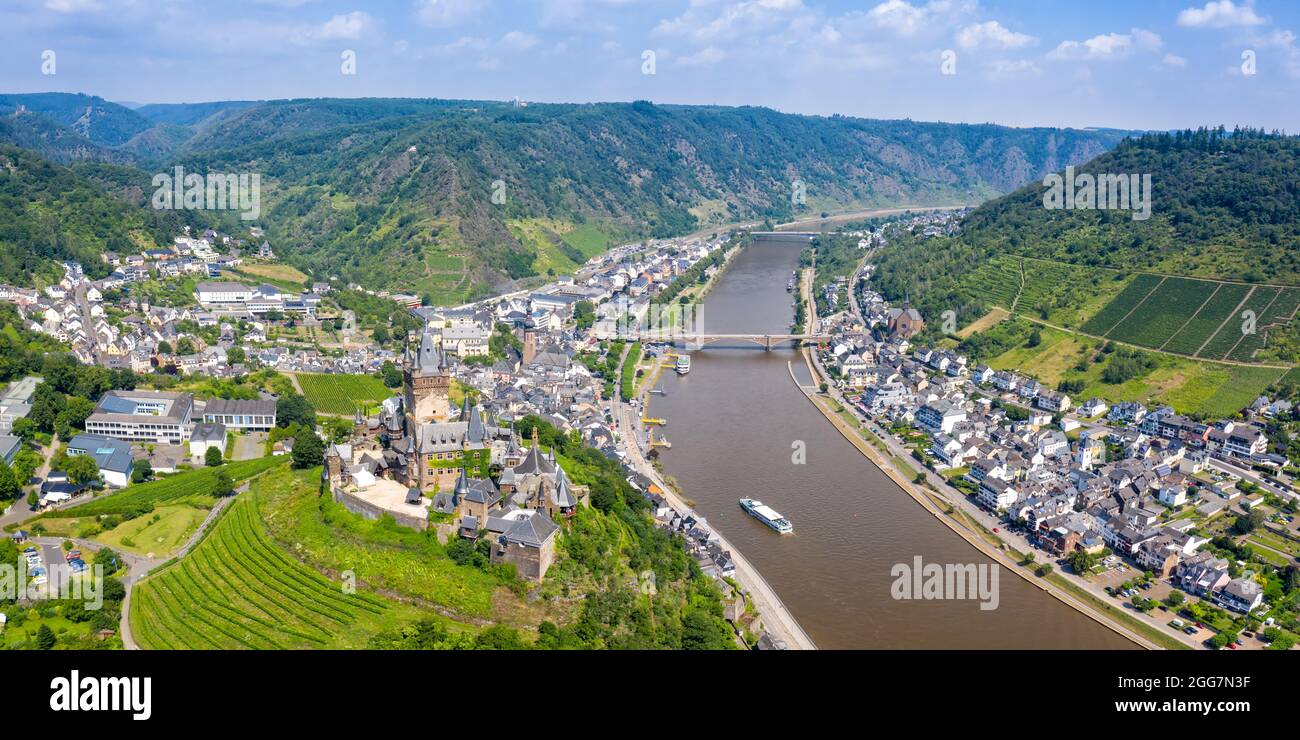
(733, 421)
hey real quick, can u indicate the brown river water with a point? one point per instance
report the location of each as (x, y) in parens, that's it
(732, 422)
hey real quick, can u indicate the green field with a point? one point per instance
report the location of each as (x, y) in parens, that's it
(239, 590)
(1194, 317)
(335, 393)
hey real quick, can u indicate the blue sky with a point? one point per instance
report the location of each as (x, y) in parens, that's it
(1120, 63)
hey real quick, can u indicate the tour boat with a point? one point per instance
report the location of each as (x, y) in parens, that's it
(766, 515)
(683, 364)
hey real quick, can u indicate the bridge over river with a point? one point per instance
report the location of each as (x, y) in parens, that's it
(693, 341)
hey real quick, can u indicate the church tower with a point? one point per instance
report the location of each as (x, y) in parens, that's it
(427, 382)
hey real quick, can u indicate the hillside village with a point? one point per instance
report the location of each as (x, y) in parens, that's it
(1203, 508)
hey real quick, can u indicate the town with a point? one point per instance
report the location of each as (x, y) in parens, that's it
(402, 447)
(1151, 510)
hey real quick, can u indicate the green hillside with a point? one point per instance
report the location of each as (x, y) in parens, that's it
(50, 213)
(459, 198)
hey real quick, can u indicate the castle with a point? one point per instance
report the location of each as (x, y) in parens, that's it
(413, 461)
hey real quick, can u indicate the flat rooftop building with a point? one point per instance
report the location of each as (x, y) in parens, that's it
(143, 416)
(241, 415)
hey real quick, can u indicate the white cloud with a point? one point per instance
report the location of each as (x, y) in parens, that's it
(350, 26)
(442, 13)
(906, 19)
(1220, 14)
(1109, 46)
(992, 35)
(519, 41)
(702, 24)
(1173, 60)
(72, 6)
(999, 68)
(705, 57)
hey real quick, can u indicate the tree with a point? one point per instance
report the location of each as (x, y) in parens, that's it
(47, 403)
(45, 639)
(10, 489)
(224, 485)
(292, 408)
(584, 313)
(212, 458)
(74, 414)
(1081, 562)
(308, 450)
(33, 500)
(82, 470)
(389, 373)
(235, 356)
(1249, 522)
(24, 429)
(107, 558)
(141, 471)
(185, 346)
(164, 347)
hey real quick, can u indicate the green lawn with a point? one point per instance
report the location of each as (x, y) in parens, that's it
(160, 533)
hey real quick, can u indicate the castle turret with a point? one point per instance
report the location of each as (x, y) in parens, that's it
(427, 381)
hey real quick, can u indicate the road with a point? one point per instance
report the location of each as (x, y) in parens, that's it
(776, 618)
(87, 322)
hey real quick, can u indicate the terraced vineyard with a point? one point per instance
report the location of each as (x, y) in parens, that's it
(1200, 318)
(334, 393)
(191, 485)
(1222, 301)
(1056, 291)
(238, 590)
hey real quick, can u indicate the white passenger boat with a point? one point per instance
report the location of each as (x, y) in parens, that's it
(683, 364)
(766, 515)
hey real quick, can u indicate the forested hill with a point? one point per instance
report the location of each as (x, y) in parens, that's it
(398, 194)
(50, 213)
(1225, 205)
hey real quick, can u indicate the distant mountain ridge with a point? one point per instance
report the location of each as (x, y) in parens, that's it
(457, 198)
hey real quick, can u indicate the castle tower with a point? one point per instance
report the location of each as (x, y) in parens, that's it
(427, 382)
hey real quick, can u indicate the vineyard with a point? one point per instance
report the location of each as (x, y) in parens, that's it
(238, 590)
(1199, 318)
(192, 486)
(1053, 291)
(336, 393)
